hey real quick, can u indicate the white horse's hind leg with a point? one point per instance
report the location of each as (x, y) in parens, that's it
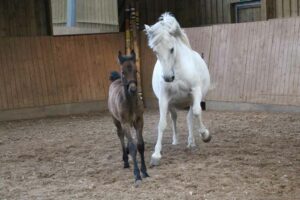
(197, 95)
(174, 126)
(163, 109)
(189, 118)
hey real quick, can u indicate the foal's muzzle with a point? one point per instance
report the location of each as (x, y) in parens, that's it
(132, 87)
(169, 78)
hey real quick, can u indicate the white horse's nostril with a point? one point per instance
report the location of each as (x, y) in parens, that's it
(169, 79)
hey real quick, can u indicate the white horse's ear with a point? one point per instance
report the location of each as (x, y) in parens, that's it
(147, 29)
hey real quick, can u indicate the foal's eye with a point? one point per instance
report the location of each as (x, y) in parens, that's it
(171, 50)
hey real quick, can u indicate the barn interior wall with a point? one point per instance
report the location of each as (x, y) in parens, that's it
(282, 8)
(24, 18)
(254, 62)
(92, 16)
(45, 71)
(193, 13)
(190, 13)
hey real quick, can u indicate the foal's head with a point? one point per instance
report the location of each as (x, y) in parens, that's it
(128, 72)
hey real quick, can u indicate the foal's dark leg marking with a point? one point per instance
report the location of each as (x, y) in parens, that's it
(132, 152)
(124, 148)
(138, 125)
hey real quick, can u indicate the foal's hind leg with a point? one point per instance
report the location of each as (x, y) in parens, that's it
(121, 137)
(174, 127)
(138, 125)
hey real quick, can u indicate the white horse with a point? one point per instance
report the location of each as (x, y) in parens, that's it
(180, 78)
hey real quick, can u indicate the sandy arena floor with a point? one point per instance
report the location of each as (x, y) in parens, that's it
(251, 156)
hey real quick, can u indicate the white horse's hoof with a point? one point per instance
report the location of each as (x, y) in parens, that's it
(154, 161)
(174, 143)
(191, 145)
(206, 137)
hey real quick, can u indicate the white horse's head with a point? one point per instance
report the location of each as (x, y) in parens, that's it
(163, 40)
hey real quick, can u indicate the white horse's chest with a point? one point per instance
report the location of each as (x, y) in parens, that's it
(178, 91)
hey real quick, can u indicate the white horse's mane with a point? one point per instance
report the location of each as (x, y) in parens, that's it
(166, 25)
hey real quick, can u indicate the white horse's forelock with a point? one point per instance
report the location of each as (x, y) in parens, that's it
(166, 25)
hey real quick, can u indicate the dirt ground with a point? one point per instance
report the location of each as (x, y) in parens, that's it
(251, 156)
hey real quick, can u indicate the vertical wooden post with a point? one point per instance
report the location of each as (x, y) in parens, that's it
(127, 29)
(135, 41)
(132, 37)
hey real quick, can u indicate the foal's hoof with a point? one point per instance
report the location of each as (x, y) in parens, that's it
(137, 183)
(145, 175)
(154, 162)
(206, 139)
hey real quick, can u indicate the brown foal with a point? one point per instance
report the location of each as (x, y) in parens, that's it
(127, 112)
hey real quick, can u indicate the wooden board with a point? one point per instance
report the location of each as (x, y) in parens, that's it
(40, 71)
(256, 62)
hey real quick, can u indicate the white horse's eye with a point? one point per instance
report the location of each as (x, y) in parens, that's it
(171, 50)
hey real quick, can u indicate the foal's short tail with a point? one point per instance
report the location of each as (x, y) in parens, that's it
(114, 76)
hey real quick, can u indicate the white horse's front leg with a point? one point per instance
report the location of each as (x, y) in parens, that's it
(163, 110)
(174, 126)
(197, 111)
(189, 118)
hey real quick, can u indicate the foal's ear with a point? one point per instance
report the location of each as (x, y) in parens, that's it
(132, 53)
(120, 58)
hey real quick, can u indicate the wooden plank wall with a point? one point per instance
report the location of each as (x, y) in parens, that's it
(42, 71)
(282, 8)
(59, 11)
(190, 13)
(193, 13)
(92, 16)
(24, 18)
(255, 62)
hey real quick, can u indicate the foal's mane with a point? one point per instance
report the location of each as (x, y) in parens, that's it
(166, 25)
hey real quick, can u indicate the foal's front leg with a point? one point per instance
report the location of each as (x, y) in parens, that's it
(197, 111)
(163, 110)
(138, 125)
(121, 137)
(132, 151)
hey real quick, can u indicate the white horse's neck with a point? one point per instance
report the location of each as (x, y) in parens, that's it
(184, 39)
(182, 51)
